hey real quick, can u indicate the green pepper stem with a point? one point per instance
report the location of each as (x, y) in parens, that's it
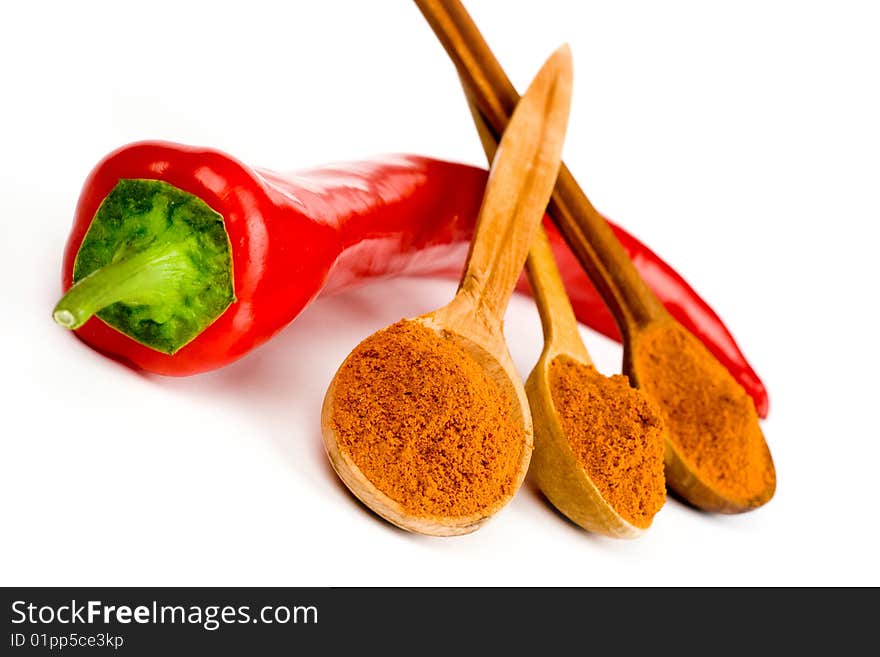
(134, 278)
(155, 264)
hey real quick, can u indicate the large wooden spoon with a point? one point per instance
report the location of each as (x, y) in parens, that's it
(520, 182)
(710, 408)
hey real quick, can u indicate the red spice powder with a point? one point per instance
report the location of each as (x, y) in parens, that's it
(712, 421)
(616, 434)
(425, 424)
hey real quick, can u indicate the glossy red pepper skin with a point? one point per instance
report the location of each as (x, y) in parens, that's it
(294, 236)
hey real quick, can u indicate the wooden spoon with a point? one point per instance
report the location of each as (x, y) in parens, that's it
(520, 182)
(558, 473)
(642, 319)
(556, 470)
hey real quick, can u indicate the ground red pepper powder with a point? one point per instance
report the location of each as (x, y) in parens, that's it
(425, 424)
(616, 434)
(712, 422)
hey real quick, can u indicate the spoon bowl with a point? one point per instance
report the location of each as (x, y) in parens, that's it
(556, 470)
(490, 352)
(737, 475)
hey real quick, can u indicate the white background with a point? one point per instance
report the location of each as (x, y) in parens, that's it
(740, 140)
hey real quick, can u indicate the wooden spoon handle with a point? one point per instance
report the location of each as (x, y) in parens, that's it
(630, 300)
(520, 181)
(557, 316)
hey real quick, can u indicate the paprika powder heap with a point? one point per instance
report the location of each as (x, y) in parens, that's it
(425, 424)
(712, 422)
(617, 435)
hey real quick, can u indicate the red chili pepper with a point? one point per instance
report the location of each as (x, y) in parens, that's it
(290, 238)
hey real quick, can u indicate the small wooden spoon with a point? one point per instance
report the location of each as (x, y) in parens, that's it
(642, 319)
(559, 475)
(519, 186)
